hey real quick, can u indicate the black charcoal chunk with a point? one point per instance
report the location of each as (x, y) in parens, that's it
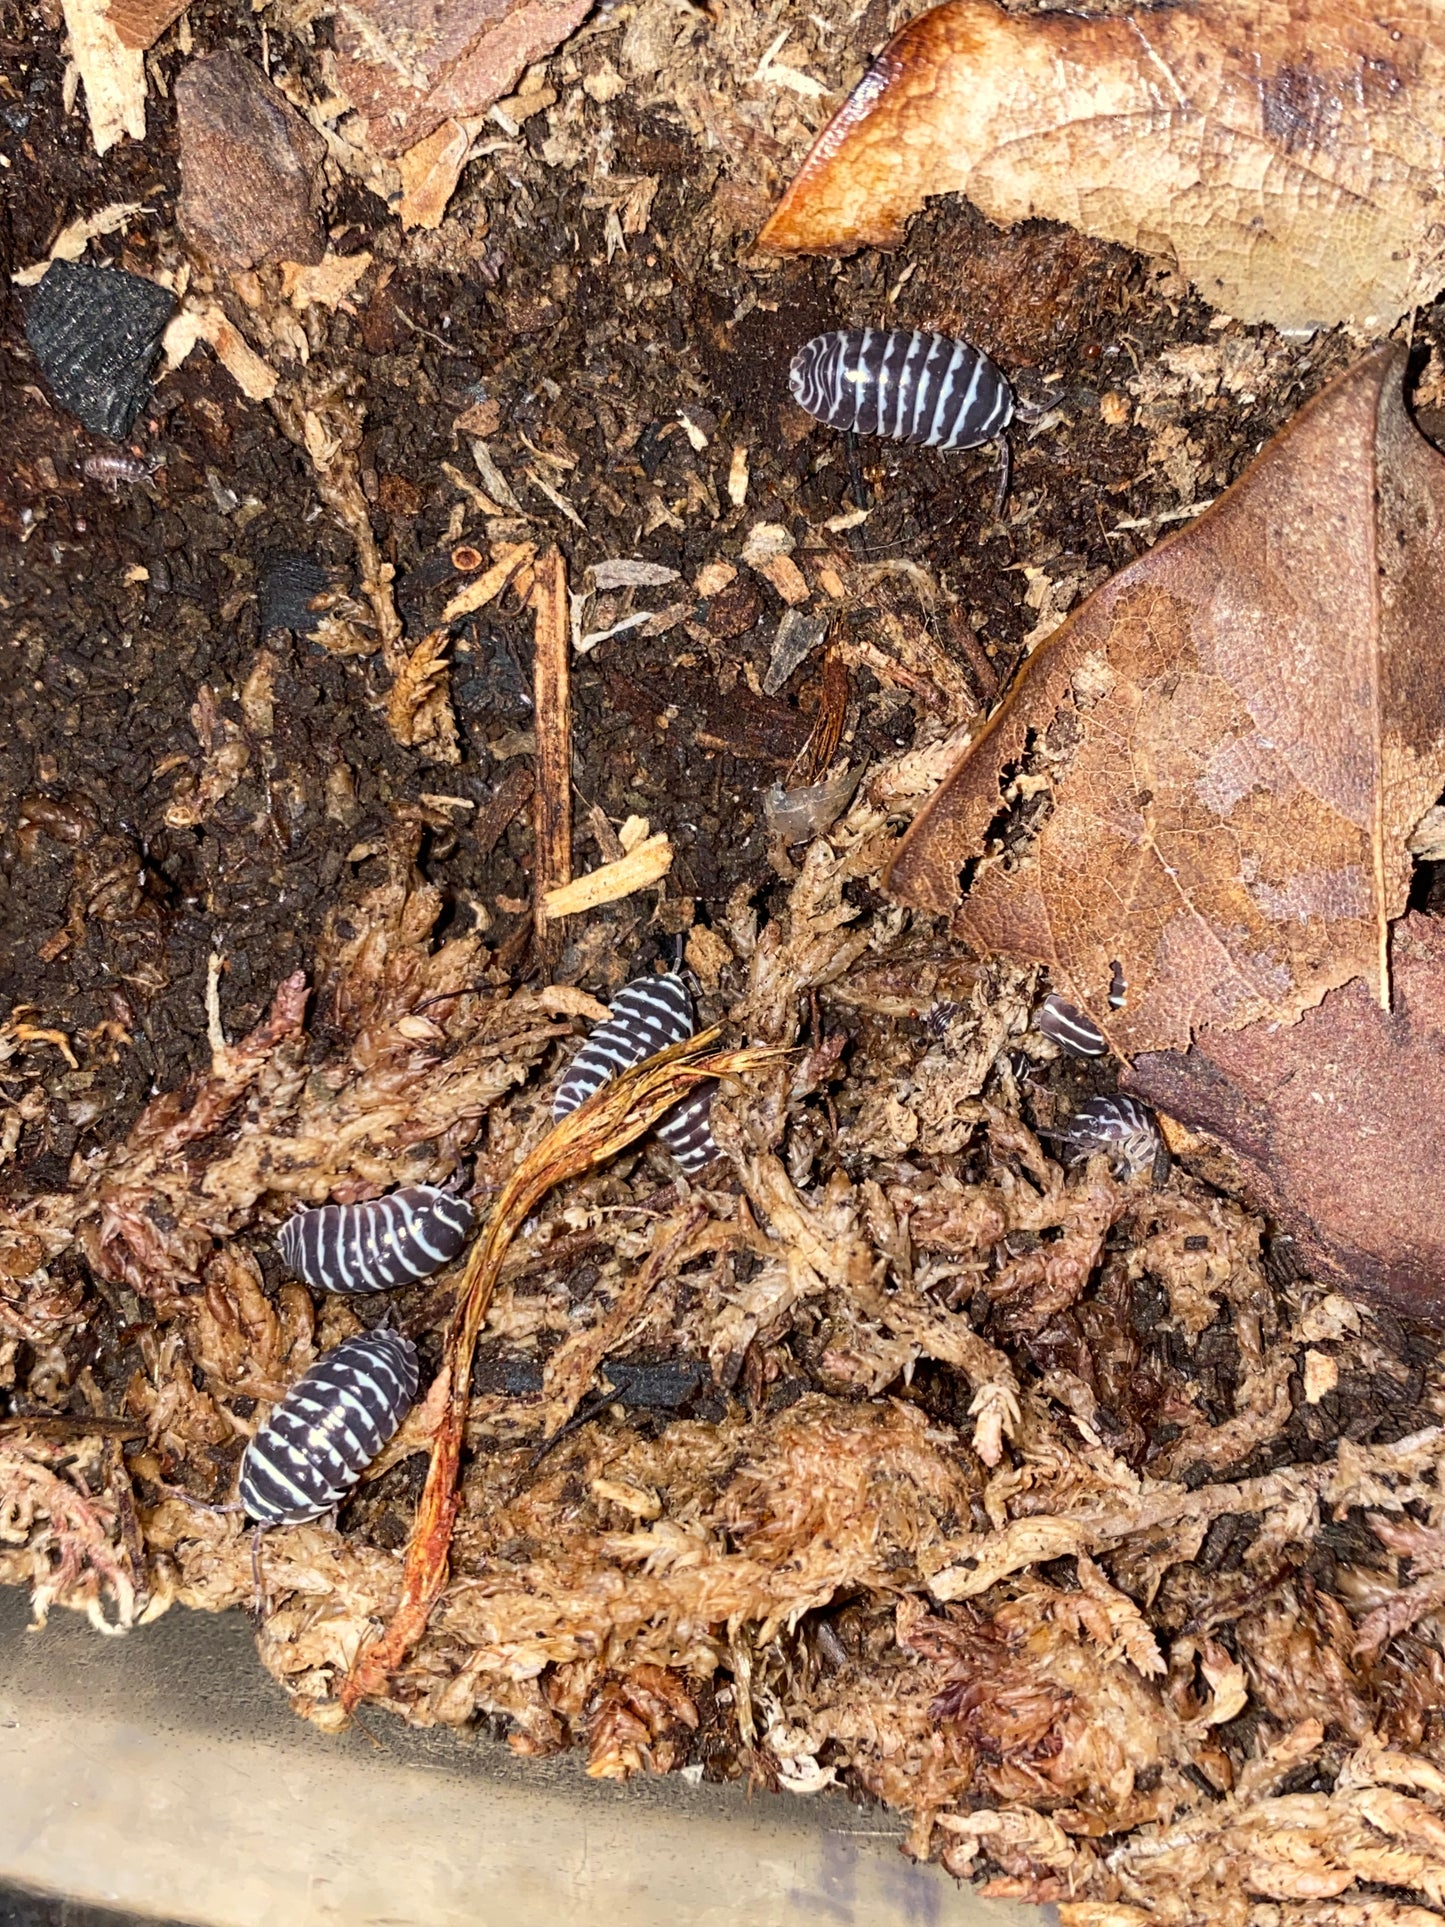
(289, 585)
(96, 333)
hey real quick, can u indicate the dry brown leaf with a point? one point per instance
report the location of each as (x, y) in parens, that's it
(1336, 1125)
(1286, 156)
(1236, 735)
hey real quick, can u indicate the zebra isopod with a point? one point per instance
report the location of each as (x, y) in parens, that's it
(328, 1429)
(911, 386)
(647, 1016)
(1068, 1026)
(378, 1245)
(686, 1130)
(1121, 1127)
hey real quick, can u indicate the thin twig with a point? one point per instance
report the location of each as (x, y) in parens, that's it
(611, 1119)
(552, 802)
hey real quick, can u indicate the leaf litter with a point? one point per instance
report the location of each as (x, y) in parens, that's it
(897, 1456)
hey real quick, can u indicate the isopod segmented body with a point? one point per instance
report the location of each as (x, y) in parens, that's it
(110, 470)
(378, 1245)
(909, 385)
(1068, 1026)
(327, 1430)
(1121, 1127)
(686, 1130)
(646, 1016)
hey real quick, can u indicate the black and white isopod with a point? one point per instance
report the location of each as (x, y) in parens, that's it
(1124, 1129)
(378, 1245)
(1065, 1024)
(647, 1016)
(327, 1430)
(911, 386)
(686, 1129)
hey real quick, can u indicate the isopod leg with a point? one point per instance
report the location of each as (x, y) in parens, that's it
(855, 472)
(1005, 474)
(258, 1589)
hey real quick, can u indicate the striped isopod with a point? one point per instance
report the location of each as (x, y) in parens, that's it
(1066, 1025)
(686, 1130)
(328, 1429)
(378, 1245)
(1121, 1127)
(911, 386)
(646, 1016)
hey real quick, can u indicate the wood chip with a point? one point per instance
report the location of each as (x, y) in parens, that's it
(431, 169)
(786, 577)
(71, 242)
(647, 864)
(1321, 1375)
(327, 283)
(567, 1001)
(114, 74)
(493, 480)
(738, 477)
(713, 577)
(206, 321)
(511, 557)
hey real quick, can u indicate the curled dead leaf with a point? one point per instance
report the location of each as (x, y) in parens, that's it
(1236, 737)
(1285, 156)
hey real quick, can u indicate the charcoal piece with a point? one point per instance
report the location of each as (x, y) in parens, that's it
(289, 584)
(95, 333)
(658, 1384)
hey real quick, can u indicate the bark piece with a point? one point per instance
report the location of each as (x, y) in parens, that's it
(409, 65)
(1223, 753)
(250, 167)
(1286, 156)
(1335, 1126)
(430, 171)
(139, 24)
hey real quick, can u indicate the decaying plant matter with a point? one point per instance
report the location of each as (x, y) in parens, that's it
(1283, 156)
(1018, 1498)
(1053, 1508)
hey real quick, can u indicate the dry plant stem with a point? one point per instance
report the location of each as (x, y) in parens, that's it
(617, 1115)
(330, 436)
(552, 691)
